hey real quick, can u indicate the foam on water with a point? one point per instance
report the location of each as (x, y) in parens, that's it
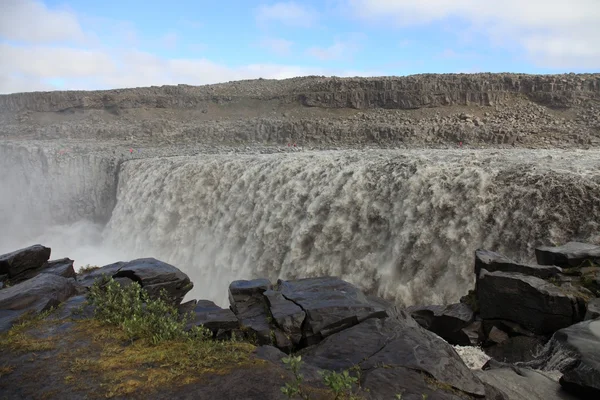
(399, 223)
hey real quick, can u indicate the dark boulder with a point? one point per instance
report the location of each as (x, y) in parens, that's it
(539, 306)
(330, 304)
(522, 384)
(516, 349)
(572, 254)
(251, 308)
(35, 295)
(62, 267)
(493, 262)
(24, 263)
(575, 351)
(286, 314)
(213, 317)
(449, 322)
(152, 275)
(593, 309)
(396, 356)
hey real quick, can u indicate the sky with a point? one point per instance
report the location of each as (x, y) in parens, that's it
(85, 44)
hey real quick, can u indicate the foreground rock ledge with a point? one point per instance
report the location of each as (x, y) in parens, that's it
(334, 326)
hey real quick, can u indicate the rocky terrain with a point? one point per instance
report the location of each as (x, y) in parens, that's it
(334, 219)
(420, 110)
(538, 322)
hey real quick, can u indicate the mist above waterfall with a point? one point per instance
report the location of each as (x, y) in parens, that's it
(399, 223)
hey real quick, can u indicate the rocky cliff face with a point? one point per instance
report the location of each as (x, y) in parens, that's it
(410, 92)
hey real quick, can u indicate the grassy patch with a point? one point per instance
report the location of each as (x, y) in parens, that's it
(87, 269)
(6, 370)
(20, 339)
(142, 366)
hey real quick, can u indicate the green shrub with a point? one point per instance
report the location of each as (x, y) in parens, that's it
(140, 316)
(339, 383)
(294, 388)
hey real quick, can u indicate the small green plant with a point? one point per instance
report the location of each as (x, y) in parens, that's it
(339, 383)
(140, 316)
(294, 388)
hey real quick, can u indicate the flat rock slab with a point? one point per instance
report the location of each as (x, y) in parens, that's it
(398, 345)
(527, 384)
(35, 295)
(572, 254)
(18, 262)
(213, 317)
(446, 321)
(153, 275)
(535, 304)
(330, 304)
(492, 262)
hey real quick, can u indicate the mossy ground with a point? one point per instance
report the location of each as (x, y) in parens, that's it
(90, 357)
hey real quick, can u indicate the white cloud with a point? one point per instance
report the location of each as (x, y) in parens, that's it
(37, 63)
(30, 69)
(32, 21)
(340, 49)
(554, 33)
(169, 40)
(289, 13)
(278, 46)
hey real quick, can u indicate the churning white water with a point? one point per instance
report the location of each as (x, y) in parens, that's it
(399, 223)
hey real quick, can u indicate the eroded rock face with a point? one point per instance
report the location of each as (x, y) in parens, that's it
(330, 304)
(492, 262)
(534, 303)
(24, 263)
(392, 352)
(251, 309)
(35, 295)
(153, 275)
(572, 254)
(449, 322)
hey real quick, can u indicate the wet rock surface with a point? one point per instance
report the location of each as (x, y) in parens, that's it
(35, 295)
(523, 318)
(153, 275)
(24, 263)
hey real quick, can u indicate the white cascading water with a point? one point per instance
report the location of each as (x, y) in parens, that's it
(400, 224)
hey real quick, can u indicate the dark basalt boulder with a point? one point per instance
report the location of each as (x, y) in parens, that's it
(572, 254)
(35, 295)
(24, 263)
(397, 356)
(593, 309)
(330, 304)
(539, 306)
(62, 267)
(251, 308)
(152, 275)
(211, 316)
(286, 314)
(576, 352)
(493, 262)
(448, 322)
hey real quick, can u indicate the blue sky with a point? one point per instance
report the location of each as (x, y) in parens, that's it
(83, 44)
